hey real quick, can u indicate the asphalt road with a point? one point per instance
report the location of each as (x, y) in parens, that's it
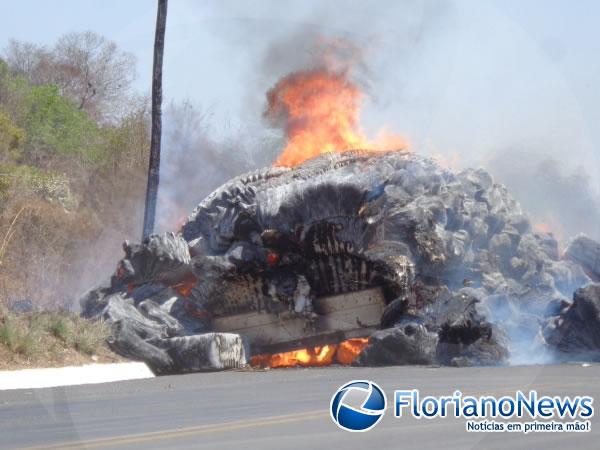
(277, 409)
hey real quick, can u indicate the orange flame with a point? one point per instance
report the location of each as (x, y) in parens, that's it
(552, 226)
(320, 111)
(349, 350)
(185, 286)
(325, 355)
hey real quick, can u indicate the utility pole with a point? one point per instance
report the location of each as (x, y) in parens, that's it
(154, 163)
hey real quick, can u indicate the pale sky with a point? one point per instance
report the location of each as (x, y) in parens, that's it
(464, 77)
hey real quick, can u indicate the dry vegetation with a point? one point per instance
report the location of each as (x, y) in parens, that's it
(73, 154)
(74, 146)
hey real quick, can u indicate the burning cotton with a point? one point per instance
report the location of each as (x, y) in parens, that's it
(339, 255)
(319, 111)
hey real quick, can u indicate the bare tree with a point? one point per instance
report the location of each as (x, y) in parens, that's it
(154, 163)
(87, 67)
(24, 57)
(92, 70)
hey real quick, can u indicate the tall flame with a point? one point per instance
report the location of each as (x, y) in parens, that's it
(320, 112)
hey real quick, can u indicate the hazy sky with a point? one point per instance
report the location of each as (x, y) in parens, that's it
(468, 78)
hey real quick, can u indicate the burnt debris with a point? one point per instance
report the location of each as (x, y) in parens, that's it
(455, 273)
(576, 330)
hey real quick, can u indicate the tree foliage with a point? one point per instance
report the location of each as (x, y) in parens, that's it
(56, 126)
(12, 139)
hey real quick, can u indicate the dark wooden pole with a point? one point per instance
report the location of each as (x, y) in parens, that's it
(154, 163)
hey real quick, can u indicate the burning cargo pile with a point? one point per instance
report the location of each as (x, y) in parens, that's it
(357, 257)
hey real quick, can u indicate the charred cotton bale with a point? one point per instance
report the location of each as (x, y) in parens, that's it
(151, 324)
(126, 341)
(408, 342)
(576, 331)
(466, 337)
(205, 352)
(160, 258)
(130, 330)
(585, 252)
(168, 307)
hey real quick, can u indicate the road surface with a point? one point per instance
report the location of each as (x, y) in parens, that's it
(277, 409)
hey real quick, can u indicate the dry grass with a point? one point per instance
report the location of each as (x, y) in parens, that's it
(52, 255)
(51, 339)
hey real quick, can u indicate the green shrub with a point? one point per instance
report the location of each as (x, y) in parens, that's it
(89, 336)
(61, 328)
(19, 339)
(54, 123)
(12, 139)
(9, 334)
